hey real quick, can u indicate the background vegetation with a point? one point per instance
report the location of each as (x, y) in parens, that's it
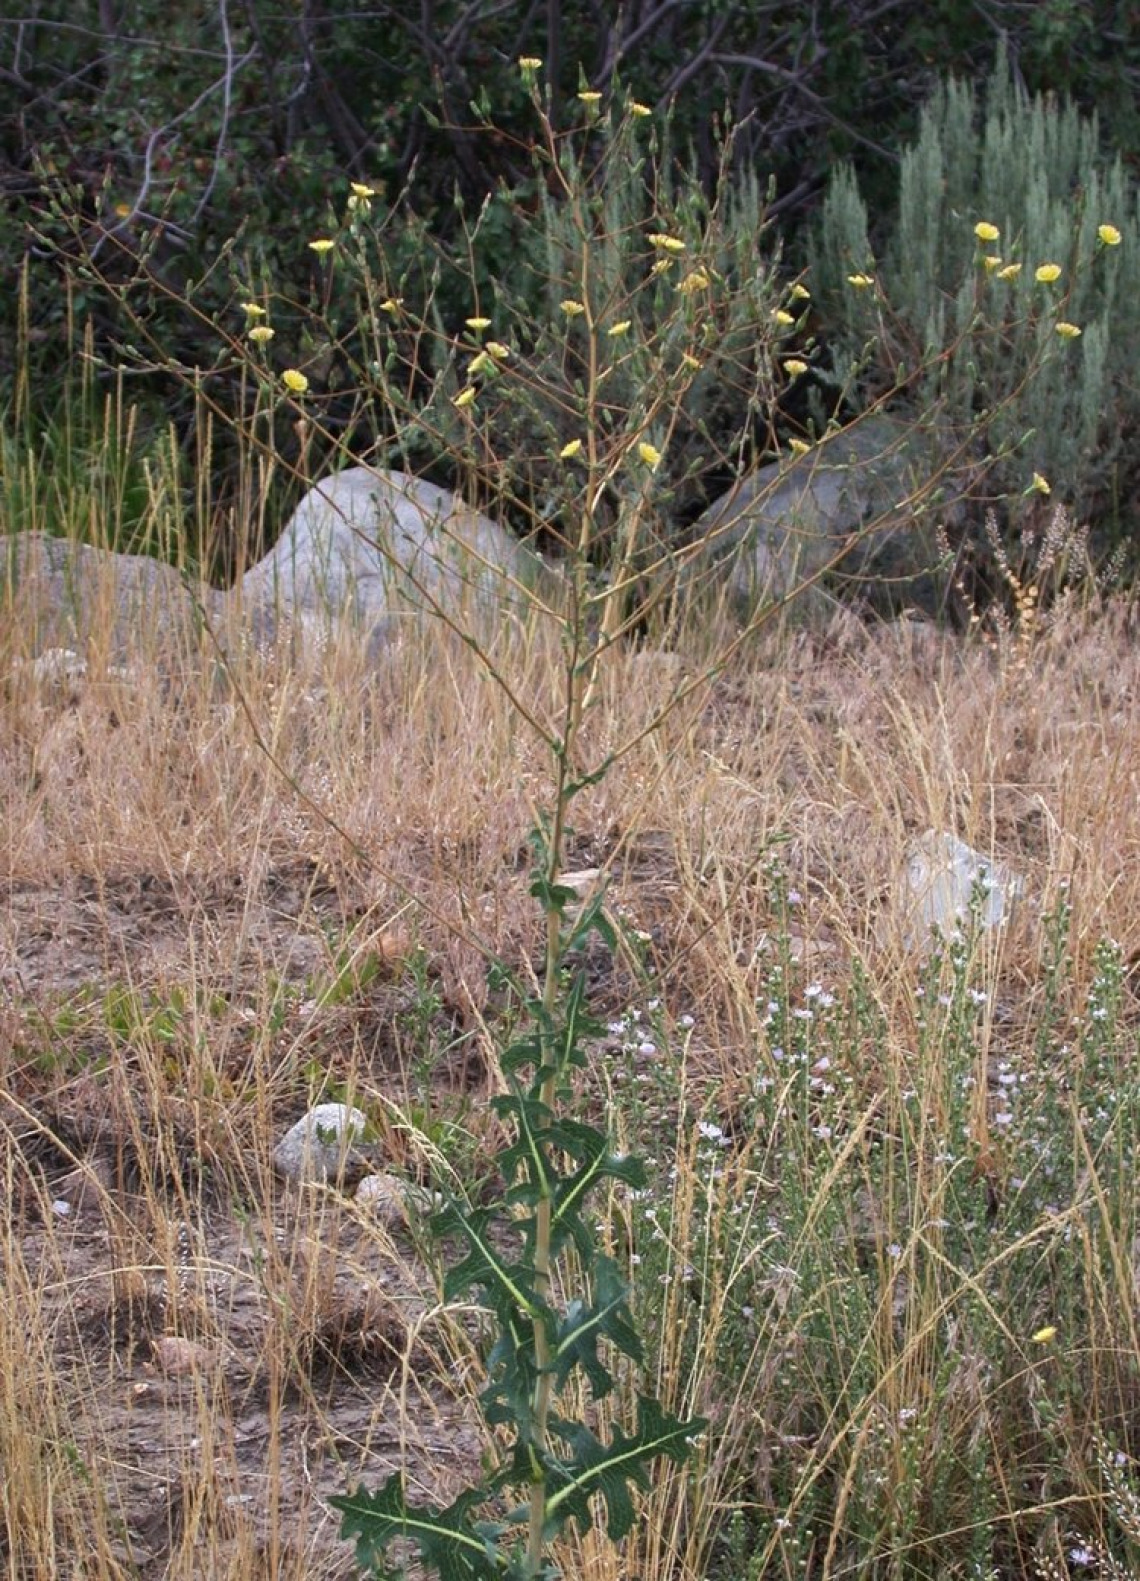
(195, 148)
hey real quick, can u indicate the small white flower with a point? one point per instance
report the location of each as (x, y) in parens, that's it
(710, 1132)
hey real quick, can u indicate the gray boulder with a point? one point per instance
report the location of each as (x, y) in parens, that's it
(852, 499)
(372, 549)
(328, 1143)
(81, 600)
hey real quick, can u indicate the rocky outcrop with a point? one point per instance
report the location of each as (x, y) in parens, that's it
(372, 550)
(852, 500)
(72, 598)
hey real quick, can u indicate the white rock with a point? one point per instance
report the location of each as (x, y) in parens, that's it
(372, 548)
(319, 1145)
(939, 881)
(394, 1201)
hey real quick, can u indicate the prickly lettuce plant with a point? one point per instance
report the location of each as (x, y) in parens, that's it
(555, 1465)
(558, 1308)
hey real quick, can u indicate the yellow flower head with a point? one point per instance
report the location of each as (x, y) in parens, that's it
(1010, 272)
(261, 334)
(568, 452)
(782, 316)
(253, 310)
(590, 96)
(991, 262)
(1040, 485)
(1066, 330)
(530, 62)
(360, 190)
(800, 293)
(1044, 1335)
(571, 308)
(1109, 235)
(698, 280)
(649, 454)
(861, 281)
(667, 244)
(1046, 273)
(985, 232)
(391, 304)
(616, 331)
(477, 323)
(322, 245)
(798, 447)
(465, 397)
(795, 367)
(498, 350)
(480, 364)
(640, 110)
(690, 362)
(294, 381)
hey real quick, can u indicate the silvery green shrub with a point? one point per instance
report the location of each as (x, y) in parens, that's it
(940, 302)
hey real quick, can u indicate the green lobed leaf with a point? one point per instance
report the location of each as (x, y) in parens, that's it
(597, 1163)
(450, 1543)
(593, 919)
(508, 1398)
(614, 1470)
(509, 1285)
(607, 1317)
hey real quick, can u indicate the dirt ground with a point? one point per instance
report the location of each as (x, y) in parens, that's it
(228, 1351)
